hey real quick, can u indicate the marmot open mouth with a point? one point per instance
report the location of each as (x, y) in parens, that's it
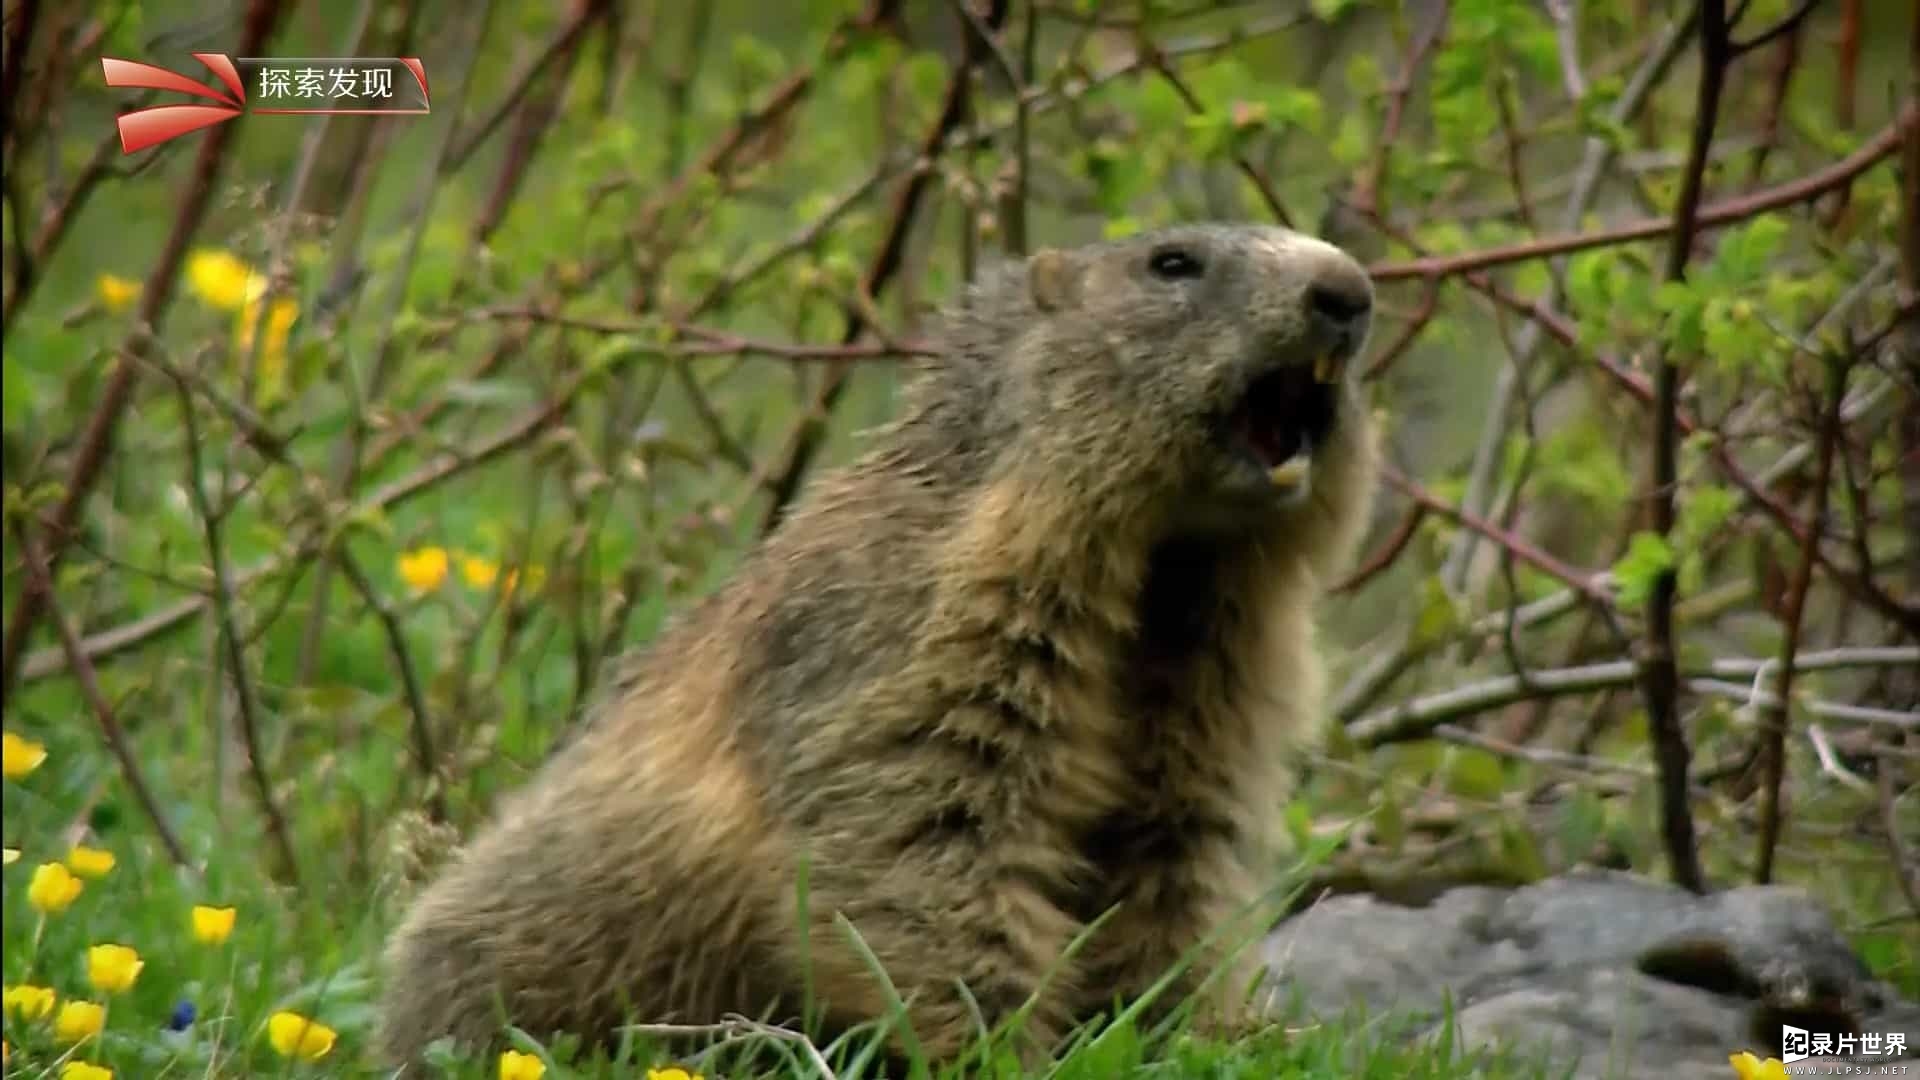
(1283, 415)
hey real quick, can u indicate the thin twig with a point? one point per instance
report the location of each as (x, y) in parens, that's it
(1773, 753)
(1725, 212)
(39, 579)
(1537, 755)
(735, 1026)
(1366, 190)
(564, 41)
(1583, 582)
(1829, 762)
(1158, 62)
(1787, 25)
(447, 464)
(426, 757)
(710, 341)
(1013, 208)
(1659, 677)
(537, 115)
(248, 705)
(1415, 718)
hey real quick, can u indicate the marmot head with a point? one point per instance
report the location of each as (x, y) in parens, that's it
(1200, 370)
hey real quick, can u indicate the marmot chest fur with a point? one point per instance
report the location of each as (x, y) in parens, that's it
(1039, 656)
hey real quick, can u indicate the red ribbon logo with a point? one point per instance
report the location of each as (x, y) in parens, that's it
(148, 127)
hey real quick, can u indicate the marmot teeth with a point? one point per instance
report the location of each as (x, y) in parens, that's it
(1291, 473)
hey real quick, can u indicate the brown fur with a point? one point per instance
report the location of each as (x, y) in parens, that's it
(1015, 666)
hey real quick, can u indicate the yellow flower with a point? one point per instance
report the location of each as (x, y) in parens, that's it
(211, 925)
(79, 1021)
(273, 351)
(9, 856)
(113, 968)
(672, 1072)
(515, 1065)
(222, 280)
(80, 1070)
(424, 570)
(89, 862)
(116, 292)
(480, 573)
(1748, 1067)
(280, 319)
(294, 1035)
(29, 1003)
(19, 756)
(53, 888)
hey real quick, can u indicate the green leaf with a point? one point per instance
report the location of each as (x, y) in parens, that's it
(1744, 252)
(1582, 820)
(1540, 48)
(1437, 615)
(1118, 176)
(1647, 557)
(1299, 822)
(755, 60)
(1685, 311)
(1160, 107)
(1211, 134)
(369, 519)
(1589, 280)
(926, 76)
(1520, 851)
(16, 394)
(1443, 237)
(1353, 141)
(1582, 460)
(1364, 77)
(1295, 107)
(1475, 773)
(614, 349)
(1389, 821)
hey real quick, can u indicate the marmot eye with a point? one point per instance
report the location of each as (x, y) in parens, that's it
(1174, 263)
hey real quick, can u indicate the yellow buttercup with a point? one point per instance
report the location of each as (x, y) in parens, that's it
(1748, 1067)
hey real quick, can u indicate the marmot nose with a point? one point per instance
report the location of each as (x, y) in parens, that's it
(1341, 294)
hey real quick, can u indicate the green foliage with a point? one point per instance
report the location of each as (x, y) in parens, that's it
(1329, 10)
(1648, 557)
(1581, 460)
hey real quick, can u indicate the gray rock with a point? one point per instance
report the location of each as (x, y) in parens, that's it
(1610, 974)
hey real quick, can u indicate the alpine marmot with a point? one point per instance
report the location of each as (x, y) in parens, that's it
(1044, 651)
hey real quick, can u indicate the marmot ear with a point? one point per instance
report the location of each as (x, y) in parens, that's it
(1053, 279)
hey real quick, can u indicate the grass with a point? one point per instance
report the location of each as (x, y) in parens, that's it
(204, 1008)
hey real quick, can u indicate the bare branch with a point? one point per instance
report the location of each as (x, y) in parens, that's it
(38, 580)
